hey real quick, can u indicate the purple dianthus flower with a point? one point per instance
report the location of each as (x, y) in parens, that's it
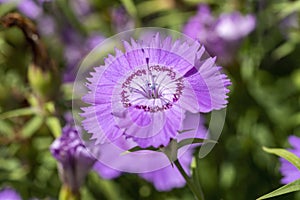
(289, 171)
(9, 194)
(222, 36)
(145, 92)
(74, 161)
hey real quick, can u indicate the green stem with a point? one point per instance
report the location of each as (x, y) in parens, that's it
(67, 194)
(198, 194)
(197, 177)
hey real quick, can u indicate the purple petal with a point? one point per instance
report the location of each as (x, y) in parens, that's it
(30, 9)
(288, 170)
(295, 142)
(105, 171)
(9, 194)
(209, 86)
(169, 177)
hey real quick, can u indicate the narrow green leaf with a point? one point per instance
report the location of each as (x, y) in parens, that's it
(196, 175)
(283, 50)
(291, 187)
(67, 90)
(186, 130)
(171, 150)
(130, 7)
(193, 141)
(137, 148)
(292, 158)
(5, 128)
(49, 106)
(18, 113)
(32, 126)
(54, 126)
(288, 8)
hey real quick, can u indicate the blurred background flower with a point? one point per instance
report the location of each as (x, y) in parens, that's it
(9, 194)
(121, 20)
(221, 36)
(74, 160)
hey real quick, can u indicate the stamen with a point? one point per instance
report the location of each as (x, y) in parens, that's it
(152, 86)
(160, 83)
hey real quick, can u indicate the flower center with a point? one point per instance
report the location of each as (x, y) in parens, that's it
(152, 89)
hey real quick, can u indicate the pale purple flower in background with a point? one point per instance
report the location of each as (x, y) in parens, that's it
(121, 20)
(30, 8)
(199, 26)
(234, 26)
(289, 171)
(9, 194)
(145, 92)
(221, 36)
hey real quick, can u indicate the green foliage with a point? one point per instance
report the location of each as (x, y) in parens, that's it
(292, 158)
(291, 187)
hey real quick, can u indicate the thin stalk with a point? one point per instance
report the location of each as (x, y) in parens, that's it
(198, 195)
(67, 194)
(197, 178)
